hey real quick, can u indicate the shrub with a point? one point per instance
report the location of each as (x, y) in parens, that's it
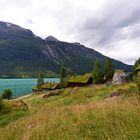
(7, 94)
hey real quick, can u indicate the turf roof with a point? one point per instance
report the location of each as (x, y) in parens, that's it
(80, 78)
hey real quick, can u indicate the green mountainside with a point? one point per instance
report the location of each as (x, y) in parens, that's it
(22, 54)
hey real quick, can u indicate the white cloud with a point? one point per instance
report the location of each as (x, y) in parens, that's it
(108, 26)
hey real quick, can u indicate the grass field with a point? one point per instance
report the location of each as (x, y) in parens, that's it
(87, 113)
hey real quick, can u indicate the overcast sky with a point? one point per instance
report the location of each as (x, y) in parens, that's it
(111, 27)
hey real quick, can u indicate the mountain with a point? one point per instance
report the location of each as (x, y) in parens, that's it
(22, 54)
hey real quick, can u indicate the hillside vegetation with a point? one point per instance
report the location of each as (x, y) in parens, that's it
(87, 113)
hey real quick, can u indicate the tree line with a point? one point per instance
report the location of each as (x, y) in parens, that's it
(103, 75)
(99, 76)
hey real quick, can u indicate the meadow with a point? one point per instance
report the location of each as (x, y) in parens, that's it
(87, 113)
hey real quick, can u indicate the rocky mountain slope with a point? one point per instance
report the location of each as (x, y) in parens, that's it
(23, 53)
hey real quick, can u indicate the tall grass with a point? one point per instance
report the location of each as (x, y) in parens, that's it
(116, 118)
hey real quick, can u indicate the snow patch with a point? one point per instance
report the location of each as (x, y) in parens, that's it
(8, 24)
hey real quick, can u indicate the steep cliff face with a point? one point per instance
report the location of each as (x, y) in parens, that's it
(22, 52)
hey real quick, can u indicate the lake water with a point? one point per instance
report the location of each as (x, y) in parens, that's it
(21, 87)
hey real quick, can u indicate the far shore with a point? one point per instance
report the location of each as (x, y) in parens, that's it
(24, 77)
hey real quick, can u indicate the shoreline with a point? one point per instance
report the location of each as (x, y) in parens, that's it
(24, 96)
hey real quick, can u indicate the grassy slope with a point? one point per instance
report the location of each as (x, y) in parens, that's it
(87, 113)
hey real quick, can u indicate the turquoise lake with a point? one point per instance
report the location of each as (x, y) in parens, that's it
(21, 87)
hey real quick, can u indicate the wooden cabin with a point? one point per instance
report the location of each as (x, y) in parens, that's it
(80, 81)
(50, 86)
(46, 87)
(36, 89)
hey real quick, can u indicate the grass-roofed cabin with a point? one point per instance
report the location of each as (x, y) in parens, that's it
(81, 80)
(138, 71)
(50, 86)
(37, 89)
(46, 87)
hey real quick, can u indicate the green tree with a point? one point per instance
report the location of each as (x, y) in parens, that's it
(62, 76)
(137, 63)
(108, 70)
(40, 78)
(97, 74)
(7, 94)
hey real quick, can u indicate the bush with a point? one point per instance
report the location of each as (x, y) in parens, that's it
(7, 94)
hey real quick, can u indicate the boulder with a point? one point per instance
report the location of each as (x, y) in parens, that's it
(120, 77)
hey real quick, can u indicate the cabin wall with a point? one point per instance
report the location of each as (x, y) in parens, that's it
(77, 84)
(90, 81)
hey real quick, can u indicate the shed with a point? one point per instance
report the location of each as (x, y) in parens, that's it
(79, 81)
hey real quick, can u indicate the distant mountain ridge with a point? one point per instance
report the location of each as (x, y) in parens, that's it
(22, 54)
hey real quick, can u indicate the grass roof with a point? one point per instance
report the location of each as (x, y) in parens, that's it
(80, 78)
(50, 85)
(36, 88)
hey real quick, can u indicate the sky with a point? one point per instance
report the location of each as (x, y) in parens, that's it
(111, 27)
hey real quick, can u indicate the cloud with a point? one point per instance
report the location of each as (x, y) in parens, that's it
(109, 26)
(115, 30)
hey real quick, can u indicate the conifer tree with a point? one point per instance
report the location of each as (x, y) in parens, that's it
(62, 76)
(40, 78)
(137, 64)
(108, 70)
(97, 74)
